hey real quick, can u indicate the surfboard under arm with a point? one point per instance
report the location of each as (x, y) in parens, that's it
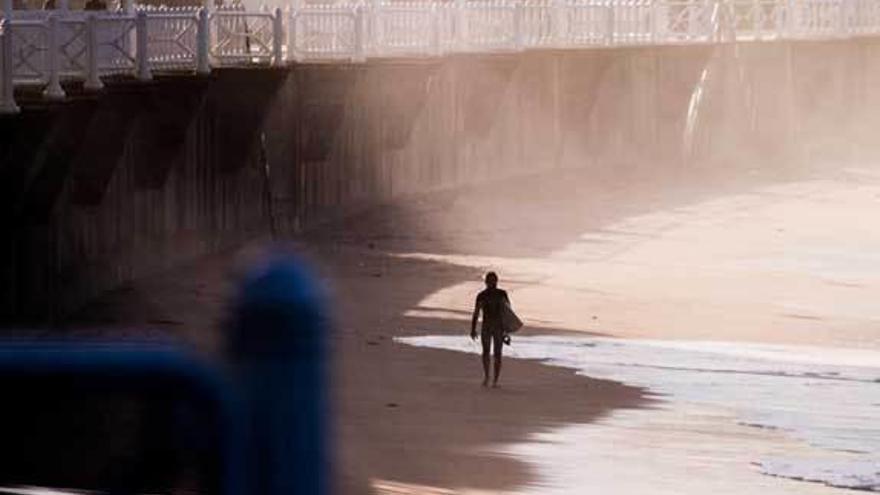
(510, 322)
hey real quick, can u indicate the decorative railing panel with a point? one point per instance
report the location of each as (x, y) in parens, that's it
(863, 17)
(758, 19)
(812, 18)
(539, 22)
(586, 24)
(173, 39)
(326, 32)
(490, 25)
(116, 43)
(242, 37)
(404, 28)
(30, 41)
(633, 22)
(73, 47)
(682, 21)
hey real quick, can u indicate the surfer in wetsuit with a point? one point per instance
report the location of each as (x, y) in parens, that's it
(490, 301)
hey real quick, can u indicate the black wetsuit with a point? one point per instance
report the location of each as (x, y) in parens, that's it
(491, 301)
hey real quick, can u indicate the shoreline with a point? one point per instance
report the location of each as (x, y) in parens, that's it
(418, 419)
(727, 418)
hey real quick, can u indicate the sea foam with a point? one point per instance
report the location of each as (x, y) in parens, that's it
(828, 400)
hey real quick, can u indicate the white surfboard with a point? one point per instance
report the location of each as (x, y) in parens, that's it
(509, 321)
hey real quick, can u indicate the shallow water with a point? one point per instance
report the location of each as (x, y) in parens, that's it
(733, 417)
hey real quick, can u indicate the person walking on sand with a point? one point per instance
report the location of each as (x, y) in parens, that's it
(491, 302)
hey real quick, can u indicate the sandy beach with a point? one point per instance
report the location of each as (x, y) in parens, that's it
(784, 259)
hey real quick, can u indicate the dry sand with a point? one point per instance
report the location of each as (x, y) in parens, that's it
(639, 255)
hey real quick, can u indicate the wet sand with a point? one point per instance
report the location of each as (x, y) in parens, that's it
(413, 420)
(407, 419)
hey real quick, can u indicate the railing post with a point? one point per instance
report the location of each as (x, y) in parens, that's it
(7, 96)
(203, 42)
(555, 24)
(53, 90)
(359, 19)
(714, 31)
(782, 22)
(518, 34)
(693, 19)
(142, 52)
(93, 81)
(288, 31)
(844, 18)
(610, 21)
(757, 19)
(291, 33)
(461, 36)
(278, 38)
(435, 29)
(373, 32)
(129, 10)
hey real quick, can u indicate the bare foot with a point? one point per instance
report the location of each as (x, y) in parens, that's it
(495, 385)
(486, 382)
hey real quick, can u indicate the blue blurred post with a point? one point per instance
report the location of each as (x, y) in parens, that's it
(277, 345)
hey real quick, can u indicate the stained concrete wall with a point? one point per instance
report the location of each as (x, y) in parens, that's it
(108, 187)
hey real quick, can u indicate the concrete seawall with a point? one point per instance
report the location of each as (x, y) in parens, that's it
(107, 187)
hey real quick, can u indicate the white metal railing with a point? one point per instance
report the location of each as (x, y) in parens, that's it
(758, 19)
(430, 27)
(683, 21)
(402, 28)
(117, 40)
(327, 32)
(47, 47)
(539, 23)
(633, 22)
(864, 17)
(816, 17)
(490, 25)
(29, 40)
(251, 37)
(73, 46)
(172, 36)
(586, 23)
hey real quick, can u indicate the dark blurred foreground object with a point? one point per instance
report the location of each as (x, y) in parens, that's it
(145, 418)
(120, 418)
(277, 346)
